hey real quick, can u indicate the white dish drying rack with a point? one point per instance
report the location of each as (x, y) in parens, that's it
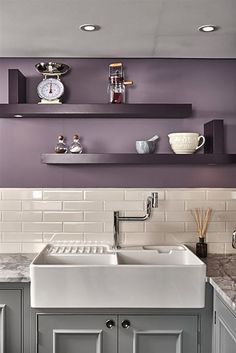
(76, 247)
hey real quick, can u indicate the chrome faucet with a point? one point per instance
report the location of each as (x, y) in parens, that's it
(152, 202)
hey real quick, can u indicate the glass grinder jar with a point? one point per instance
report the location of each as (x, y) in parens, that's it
(117, 83)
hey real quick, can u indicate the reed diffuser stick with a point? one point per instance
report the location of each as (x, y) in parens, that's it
(202, 219)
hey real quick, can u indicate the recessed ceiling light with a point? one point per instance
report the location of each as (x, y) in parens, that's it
(207, 28)
(89, 27)
(18, 116)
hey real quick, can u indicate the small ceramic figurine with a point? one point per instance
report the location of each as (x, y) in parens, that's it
(61, 147)
(76, 146)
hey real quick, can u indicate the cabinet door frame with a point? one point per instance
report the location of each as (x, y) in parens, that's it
(61, 331)
(2, 327)
(223, 318)
(130, 335)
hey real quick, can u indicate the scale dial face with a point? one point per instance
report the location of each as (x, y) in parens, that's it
(50, 89)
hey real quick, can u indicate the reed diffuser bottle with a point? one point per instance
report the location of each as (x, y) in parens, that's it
(201, 248)
(202, 219)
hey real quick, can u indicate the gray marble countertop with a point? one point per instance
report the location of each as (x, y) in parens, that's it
(15, 267)
(221, 272)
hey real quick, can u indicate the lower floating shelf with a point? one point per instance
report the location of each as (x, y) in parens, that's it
(134, 158)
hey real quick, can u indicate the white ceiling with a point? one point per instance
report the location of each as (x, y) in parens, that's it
(129, 28)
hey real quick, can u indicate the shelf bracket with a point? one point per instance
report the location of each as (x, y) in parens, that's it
(214, 134)
(17, 87)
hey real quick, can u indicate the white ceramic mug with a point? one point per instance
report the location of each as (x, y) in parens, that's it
(185, 142)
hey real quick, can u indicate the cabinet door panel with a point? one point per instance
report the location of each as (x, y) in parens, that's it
(162, 334)
(76, 334)
(225, 330)
(11, 321)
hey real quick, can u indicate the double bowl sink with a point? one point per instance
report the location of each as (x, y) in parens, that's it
(87, 276)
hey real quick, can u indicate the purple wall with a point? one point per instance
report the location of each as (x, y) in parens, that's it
(210, 85)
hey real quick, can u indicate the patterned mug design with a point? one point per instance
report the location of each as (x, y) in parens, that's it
(185, 142)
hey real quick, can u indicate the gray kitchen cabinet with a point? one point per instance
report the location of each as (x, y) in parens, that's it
(62, 333)
(224, 328)
(139, 330)
(78, 333)
(13, 319)
(158, 333)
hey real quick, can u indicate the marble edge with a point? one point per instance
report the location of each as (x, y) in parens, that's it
(222, 292)
(16, 279)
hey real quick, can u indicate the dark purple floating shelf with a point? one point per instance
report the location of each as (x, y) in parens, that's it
(18, 106)
(133, 158)
(157, 111)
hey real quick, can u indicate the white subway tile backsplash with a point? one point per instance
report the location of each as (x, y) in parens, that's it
(180, 238)
(22, 237)
(49, 237)
(99, 237)
(32, 247)
(223, 216)
(168, 227)
(185, 194)
(6, 205)
(126, 227)
(229, 249)
(216, 248)
(221, 194)
(10, 226)
(124, 205)
(88, 227)
(169, 205)
(41, 227)
(222, 237)
(178, 216)
(22, 194)
(157, 216)
(83, 205)
(56, 195)
(41, 205)
(230, 226)
(10, 248)
(231, 205)
(105, 194)
(135, 195)
(34, 216)
(63, 216)
(29, 218)
(213, 227)
(105, 216)
(215, 205)
(108, 227)
(146, 239)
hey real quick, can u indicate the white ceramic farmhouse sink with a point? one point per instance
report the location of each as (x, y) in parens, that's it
(155, 277)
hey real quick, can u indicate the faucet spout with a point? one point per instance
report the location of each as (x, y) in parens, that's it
(152, 202)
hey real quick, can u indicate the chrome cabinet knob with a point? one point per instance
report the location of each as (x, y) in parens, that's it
(110, 323)
(125, 324)
(234, 240)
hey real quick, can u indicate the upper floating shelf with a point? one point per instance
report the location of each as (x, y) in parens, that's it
(18, 106)
(157, 111)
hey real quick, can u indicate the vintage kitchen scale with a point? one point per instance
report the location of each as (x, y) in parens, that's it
(51, 89)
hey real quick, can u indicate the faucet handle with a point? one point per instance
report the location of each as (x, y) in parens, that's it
(234, 239)
(154, 199)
